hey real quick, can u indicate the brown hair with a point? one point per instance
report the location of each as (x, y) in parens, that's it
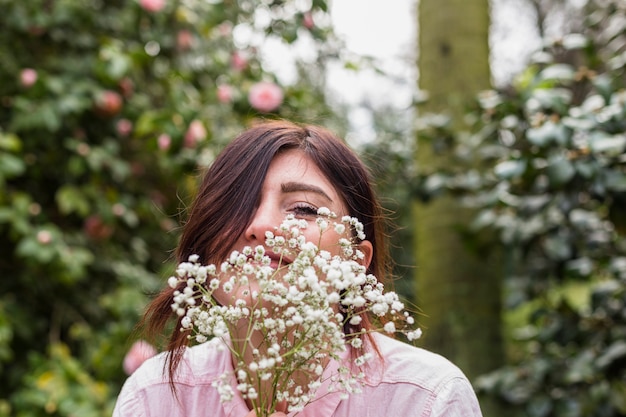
(229, 194)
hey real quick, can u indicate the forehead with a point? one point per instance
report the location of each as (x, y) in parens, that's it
(295, 166)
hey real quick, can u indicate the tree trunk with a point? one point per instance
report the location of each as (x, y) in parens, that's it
(458, 289)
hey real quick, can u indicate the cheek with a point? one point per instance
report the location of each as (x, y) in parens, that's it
(329, 241)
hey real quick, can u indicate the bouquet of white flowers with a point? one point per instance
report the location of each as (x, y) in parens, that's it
(285, 323)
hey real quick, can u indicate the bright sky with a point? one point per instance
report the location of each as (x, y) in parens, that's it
(386, 30)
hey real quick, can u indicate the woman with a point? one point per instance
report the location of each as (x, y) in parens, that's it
(272, 170)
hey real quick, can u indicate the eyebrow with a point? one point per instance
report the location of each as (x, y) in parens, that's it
(292, 187)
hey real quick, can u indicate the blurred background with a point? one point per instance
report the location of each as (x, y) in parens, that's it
(494, 129)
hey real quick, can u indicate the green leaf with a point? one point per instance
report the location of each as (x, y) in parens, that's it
(6, 214)
(575, 41)
(579, 123)
(10, 142)
(30, 248)
(586, 168)
(604, 85)
(560, 170)
(71, 200)
(580, 368)
(75, 260)
(11, 165)
(146, 123)
(558, 72)
(557, 247)
(510, 169)
(613, 145)
(539, 406)
(35, 116)
(118, 66)
(614, 352)
(547, 133)
(615, 180)
(618, 395)
(557, 99)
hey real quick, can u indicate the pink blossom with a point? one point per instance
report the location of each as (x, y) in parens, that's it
(126, 86)
(44, 237)
(138, 353)
(164, 141)
(307, 20)
(109, 103)
(118, 209)
(238, 61)
(83, 149)
(124, 127)
(184, 39)
(195, 133)
(224, 93)
(28, 77)
(152, 5)
(96, 228)
(265, 96)
(225, 28)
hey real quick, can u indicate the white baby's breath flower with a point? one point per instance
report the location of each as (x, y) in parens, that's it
(322, 224)
(356, 343)
(324, 211)
(333, 297)
(172, 282)
(389, 327)
(343, 242)
(309, 299)
(414, 335)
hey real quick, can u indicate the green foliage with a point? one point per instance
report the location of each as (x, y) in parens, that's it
(107, 111)
(543, 164)
(574, 362)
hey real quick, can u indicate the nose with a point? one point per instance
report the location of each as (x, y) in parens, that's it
(264, 219)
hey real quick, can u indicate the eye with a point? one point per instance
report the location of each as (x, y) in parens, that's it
(304, 210)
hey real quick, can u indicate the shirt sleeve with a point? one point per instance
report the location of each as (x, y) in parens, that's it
(127, 404)
(456, 399)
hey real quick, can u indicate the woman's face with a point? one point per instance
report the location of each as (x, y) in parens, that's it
(293, 185)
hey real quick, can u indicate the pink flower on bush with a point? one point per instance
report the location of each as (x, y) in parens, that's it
(152, 5)
(109, 103)
(224, 93)
(307, 20)
(195, 133)
(124, 127)
(265, 96)
(238, 61)
(164, 141)
(28, 77)
(96, 228)
(225, 28)
(127, 87)
(44, 237)
(184, 39)
(138, 353)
